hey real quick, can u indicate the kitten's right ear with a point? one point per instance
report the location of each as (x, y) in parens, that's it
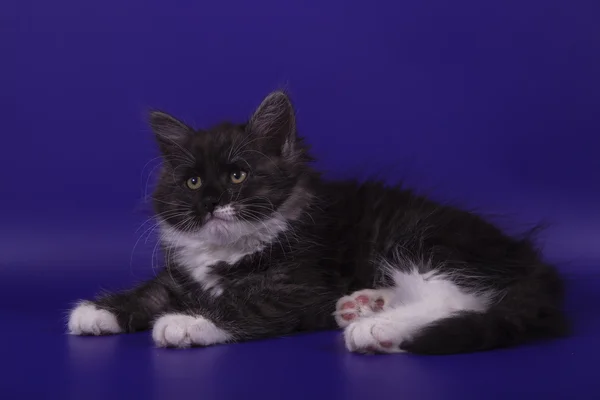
(170, 132)
(275, 120)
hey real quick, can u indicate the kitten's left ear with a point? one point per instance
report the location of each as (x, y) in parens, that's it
(170, 132)
(275, 120)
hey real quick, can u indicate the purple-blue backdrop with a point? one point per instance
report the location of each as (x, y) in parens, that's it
(492, 104)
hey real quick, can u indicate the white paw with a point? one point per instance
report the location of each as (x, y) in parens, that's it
(180, 330)
(376, 334)
(362, 303)
(87, 319)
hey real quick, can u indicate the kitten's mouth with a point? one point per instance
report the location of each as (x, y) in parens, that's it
(213, 217)
(224, 214)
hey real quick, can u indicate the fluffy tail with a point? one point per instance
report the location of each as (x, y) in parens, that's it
(530, 310)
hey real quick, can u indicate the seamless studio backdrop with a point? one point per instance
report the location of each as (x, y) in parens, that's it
(489, 105)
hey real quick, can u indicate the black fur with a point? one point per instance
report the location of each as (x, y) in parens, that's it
(336, 233)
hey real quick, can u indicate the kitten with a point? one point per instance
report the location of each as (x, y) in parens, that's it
(257, 244)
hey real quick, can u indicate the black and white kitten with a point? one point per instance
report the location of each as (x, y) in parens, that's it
(258, 245)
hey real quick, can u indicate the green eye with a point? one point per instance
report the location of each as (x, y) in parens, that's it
(194, 183)
(238, 176)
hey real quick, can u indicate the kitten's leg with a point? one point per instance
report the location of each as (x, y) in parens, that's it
(425, 299)
(127, 311)
(278, 309)
(362, 303)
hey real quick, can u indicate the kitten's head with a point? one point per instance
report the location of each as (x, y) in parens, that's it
(232, 180)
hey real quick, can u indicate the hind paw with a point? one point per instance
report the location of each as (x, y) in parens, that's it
(361, 304)
(373, 335)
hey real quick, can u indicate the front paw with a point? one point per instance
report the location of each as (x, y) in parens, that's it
(181, 330)
(87, 319)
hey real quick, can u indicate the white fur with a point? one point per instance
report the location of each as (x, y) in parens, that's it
(420, 300)
(221, 239)
(181, 330)
(226, 212)
(87, 319)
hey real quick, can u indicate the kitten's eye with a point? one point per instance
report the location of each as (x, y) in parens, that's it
(238, 176)
(194, 183)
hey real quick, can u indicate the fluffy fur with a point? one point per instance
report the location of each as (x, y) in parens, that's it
(257, 244)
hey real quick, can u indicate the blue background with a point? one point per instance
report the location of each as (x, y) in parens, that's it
(493, 105)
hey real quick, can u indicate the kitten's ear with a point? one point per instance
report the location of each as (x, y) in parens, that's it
(275, 119)
(170, 132)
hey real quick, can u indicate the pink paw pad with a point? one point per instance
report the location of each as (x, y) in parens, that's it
(374, 303)
(383, 347)
(348, 316)
(348, 304)
(379, 303)
(359, 304)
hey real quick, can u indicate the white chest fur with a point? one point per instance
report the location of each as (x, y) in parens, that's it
(218, 242)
